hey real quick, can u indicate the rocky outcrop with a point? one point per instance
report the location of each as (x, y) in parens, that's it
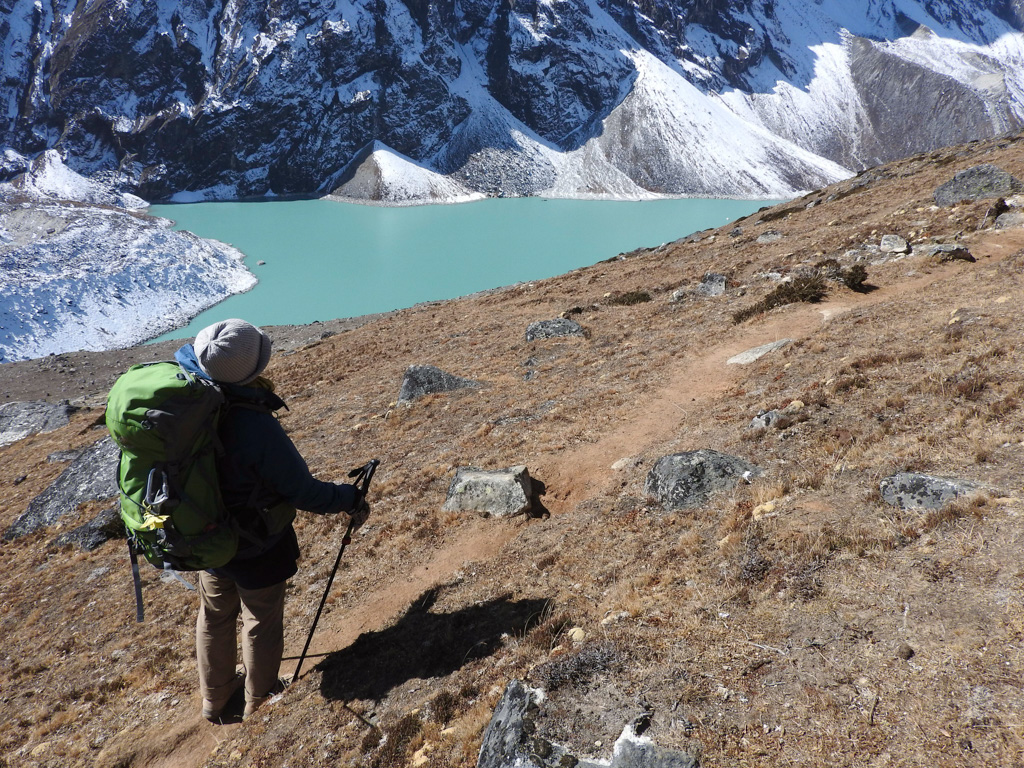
(420, 380)
(496, 493)
(909, 490)
(91, 476)
(689, 479)
(18, 420)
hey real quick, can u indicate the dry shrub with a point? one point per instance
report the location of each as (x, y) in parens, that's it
(577, 669)
(629, 298)
(805, 288)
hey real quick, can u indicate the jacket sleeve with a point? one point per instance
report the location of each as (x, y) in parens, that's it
(282, 471)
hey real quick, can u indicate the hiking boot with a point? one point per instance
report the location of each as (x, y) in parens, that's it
(212, 710)
(251, 705)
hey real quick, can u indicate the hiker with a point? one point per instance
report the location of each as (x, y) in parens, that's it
(263, 480)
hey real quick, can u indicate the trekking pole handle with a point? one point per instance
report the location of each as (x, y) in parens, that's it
(363, 475)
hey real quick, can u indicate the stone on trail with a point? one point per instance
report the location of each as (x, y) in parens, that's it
(18, 420)
(420, 380)
(909, 490)
(978, 183)
(744, 358)
(689, 479)
(92, 476)
(555, 328)
(497, 492)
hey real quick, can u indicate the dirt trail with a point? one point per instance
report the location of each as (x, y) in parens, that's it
(575, 475)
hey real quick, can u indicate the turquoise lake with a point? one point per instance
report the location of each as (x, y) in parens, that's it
(326, 260)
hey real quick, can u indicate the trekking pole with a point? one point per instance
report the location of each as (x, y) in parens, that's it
(362, 475)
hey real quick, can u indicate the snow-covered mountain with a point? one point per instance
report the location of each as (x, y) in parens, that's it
(96, 273)
(627, 98)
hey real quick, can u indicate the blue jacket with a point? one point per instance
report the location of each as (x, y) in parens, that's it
(261, 467)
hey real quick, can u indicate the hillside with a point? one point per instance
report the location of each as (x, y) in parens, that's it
(795, 620)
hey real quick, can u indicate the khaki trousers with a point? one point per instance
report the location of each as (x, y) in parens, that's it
(262, 611)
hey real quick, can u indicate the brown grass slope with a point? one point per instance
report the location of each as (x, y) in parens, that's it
(795, 621)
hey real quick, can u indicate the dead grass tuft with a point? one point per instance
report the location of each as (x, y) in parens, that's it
(804, 288)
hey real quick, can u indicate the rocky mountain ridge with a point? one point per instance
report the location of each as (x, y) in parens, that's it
(217, 99)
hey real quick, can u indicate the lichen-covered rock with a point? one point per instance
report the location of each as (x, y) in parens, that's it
(909, 490)
(420, 380)
(92, 476)
(18, 420)
(555, 328)
(978, 183)
(689, 479)
(498, 492)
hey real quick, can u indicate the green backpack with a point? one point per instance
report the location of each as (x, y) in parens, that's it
(164, 419)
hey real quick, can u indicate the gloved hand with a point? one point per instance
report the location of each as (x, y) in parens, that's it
(359, 514)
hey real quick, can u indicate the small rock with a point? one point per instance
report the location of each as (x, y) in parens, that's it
(904, 652)
(763, 510)
(555, 328)
(577, 635)
(769, 236)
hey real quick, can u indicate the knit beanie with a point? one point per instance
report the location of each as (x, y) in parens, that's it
(232, 351)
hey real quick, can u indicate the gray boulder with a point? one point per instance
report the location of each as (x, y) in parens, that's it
(498, 492)
(18, 420)
(769, 236)
(511, 739)
(92, 476)
(893, 244)
(1010, 220)
(420, 380)
(978, 183)
(689, 479)
(909, 490)
(551, 329)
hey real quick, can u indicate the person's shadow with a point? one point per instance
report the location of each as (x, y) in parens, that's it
(423, 644)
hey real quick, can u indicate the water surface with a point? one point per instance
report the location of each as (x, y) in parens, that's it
(326, 260)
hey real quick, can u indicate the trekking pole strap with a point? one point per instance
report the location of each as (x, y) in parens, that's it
(140, 614)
